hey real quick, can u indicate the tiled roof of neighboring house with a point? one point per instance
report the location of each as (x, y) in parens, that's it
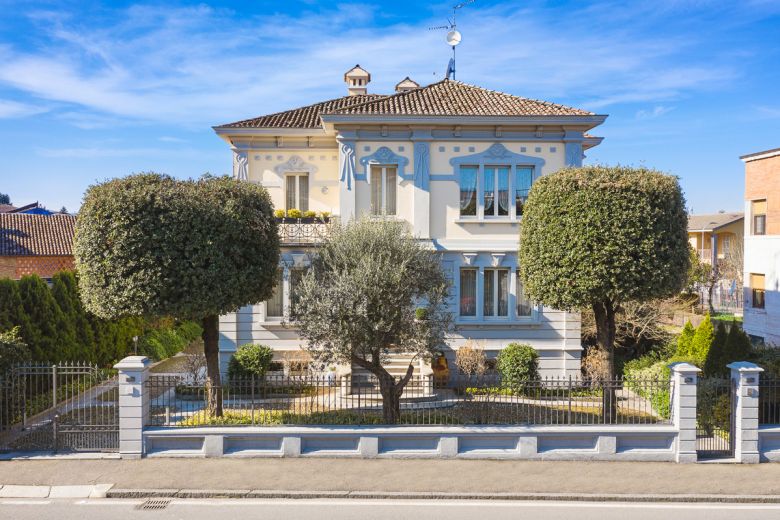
(454, 98)
(712, 222)
(36, 235)
(444, 98)
(7, 208)
(304, 117)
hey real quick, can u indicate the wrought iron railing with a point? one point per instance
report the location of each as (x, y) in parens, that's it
(356, 400)
(769, 401)
(303, 231)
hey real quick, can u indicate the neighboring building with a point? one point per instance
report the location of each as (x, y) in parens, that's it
(32, 209)
(35, 244)
(454, 160)
(716, 236)
(762, 246)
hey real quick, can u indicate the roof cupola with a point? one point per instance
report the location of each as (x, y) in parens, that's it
(357, 80)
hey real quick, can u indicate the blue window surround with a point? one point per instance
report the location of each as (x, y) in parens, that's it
(496, 155)
(480, 262)
(385, 156)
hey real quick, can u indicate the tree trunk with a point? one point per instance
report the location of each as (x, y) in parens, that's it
(211, 351)
(605, 331)
(390, 389)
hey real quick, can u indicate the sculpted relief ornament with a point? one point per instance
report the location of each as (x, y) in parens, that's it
(240, 166)
(347, 157)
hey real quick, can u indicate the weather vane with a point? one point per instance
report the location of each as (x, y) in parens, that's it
(453, 36)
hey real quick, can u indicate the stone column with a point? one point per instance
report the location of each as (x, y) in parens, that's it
(745, 435)
(133, 405)
(683, 408)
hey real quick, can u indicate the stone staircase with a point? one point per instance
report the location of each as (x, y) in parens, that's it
(419, 387)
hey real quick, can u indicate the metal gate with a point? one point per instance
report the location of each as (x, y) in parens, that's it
(67, 407)
(715, 418)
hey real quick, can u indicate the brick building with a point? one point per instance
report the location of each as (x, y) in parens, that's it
(35, 244)
(762, 246)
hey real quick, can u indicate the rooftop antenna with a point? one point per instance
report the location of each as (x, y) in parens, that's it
(453, 37)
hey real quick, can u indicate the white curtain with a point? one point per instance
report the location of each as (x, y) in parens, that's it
(390, 187)
(503, 190)
(290, 198)
(303, 192)
(376, 190)
(274, 305)
(468, 190)
(523, 182)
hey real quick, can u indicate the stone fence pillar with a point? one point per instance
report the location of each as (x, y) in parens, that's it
(683, 409)
(133, 405)
(745, 435)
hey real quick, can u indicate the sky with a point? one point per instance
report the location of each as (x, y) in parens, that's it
(91, 91)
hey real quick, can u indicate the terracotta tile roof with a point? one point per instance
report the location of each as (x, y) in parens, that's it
(36, 235)
(304, 117)
(712, 222)
(453, 98)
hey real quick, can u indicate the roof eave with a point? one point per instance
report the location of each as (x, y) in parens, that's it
(226, 131)
(587, 121)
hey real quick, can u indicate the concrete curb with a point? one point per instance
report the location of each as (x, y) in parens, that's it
(436, 495)
(86, 491)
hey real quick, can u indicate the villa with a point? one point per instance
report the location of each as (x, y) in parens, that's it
(455, 161)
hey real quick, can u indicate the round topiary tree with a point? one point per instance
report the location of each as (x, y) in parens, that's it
(150, 245)
(598, 236)
(518, 365)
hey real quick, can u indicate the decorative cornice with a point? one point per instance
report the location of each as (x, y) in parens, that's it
(295, 164)
(497, 152)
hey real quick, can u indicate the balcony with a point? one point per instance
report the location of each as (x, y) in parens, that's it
(303, 231)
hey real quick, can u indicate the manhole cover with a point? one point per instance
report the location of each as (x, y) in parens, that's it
(154, 503)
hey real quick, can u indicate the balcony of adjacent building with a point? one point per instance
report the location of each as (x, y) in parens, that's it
(304, 231)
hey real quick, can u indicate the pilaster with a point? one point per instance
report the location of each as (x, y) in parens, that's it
(683, 407)
(133, 405)
(746, 377)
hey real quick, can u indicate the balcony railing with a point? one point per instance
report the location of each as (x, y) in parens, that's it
(303, 231)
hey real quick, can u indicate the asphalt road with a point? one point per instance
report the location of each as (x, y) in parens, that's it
(248, 509)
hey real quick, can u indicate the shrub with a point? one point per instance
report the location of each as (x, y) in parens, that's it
(279, 213)
(715, 364)
(518, 363)
(250, 360)
(595, 365)
(13, 350)
(190, 331)
(636, 377)
(309, 214)
(702, 341)
(294, 213)
(685, 340)
(470, 359)
(421, 313)
(166, 341)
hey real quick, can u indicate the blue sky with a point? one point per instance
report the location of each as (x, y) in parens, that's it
(91, 90)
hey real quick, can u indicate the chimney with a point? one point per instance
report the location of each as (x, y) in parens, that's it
(406, 84)
(357, 80)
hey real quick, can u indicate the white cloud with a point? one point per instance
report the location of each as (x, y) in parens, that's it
(656, 111)
(196, 66)
(14, 109)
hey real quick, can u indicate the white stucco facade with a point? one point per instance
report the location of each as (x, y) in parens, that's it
(427, 154)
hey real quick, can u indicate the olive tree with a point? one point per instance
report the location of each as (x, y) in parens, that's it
(150, 245)
(597, 237)
(358, 302)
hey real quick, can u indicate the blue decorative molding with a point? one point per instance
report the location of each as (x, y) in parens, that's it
(496, 154)
(385, 155)
(401, 148)
(538, 149)
(472, 149)
(456, 148)
(441, 148)
(347, 162)
(574, 154)
(553, 149)
(523, 149)
(422, 165)
(295, 164)
(366, 148)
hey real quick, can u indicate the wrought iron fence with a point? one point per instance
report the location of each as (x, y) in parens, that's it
(65, 407)
(357, 400)
(303, 231)
(769, 401)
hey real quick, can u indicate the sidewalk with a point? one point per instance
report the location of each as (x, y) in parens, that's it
(422, 476)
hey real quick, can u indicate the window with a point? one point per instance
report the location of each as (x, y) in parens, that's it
(496, 292)
(274, 306)
(758, 210)
(297, 191)
(757, 290)
(383, 188)
(524, 306)
(525, 177)
(468, 191)
(468, 292)
(296, 275)
(488, 192)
